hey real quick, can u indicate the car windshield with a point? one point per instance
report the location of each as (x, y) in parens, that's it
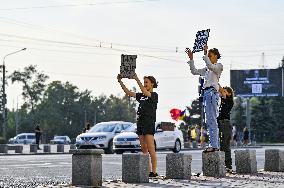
(103, 127)
(131, 128)
(59, 138)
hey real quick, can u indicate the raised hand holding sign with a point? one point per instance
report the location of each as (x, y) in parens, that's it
(128, 65)
(201, 40)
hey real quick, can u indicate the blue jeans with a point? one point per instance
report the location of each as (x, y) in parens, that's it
(211, 105)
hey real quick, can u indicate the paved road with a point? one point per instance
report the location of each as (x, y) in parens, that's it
(33, 170)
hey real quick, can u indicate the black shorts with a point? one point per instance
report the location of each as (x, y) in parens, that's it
(145, 127)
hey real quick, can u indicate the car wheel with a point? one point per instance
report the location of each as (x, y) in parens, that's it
(119, 152)
(109, 149)
(177, 147)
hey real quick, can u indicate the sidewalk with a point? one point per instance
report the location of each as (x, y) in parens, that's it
(261, 179)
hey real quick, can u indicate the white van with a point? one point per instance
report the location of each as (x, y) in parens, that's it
(23, 138)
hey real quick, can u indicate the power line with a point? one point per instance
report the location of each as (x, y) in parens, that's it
(75, 5)
(161, 49)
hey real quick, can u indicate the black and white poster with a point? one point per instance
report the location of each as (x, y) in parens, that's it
(201, 40)
(128, 65)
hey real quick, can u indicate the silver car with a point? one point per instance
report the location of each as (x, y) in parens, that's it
(23, 138)
(60, 140)
(101, 135)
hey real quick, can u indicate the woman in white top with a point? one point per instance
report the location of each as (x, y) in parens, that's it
(212, 73)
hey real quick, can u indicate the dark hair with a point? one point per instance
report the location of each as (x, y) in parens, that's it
(230, 90)
(153, 80)
(215, 51)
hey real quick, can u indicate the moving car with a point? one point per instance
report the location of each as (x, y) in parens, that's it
(23, 138)
(60, 140)
(101, 135)
(167, 136)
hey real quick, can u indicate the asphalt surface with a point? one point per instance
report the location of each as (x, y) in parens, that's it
(43, 170)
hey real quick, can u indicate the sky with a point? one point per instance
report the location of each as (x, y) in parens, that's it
(81, 41)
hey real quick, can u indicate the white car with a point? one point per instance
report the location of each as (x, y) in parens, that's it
(23, 138)
(101, 135)
(60, 140)
(164, 139)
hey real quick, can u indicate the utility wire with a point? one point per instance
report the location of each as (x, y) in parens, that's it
(75, 5)
(167, 49)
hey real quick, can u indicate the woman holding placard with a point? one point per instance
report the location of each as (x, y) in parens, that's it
(211, 88)
(146, 116)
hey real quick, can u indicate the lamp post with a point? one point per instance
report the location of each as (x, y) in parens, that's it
(4, 97)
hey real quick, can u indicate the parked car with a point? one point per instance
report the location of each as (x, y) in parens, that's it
(60, 140)
(101, 135)
(23, 138)
(166, 137)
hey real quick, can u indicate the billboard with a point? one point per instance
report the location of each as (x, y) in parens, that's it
(257, 82)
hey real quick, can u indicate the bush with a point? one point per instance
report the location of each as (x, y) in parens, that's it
(2, 140)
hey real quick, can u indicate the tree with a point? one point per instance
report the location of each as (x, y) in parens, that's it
(195, 112)
(262, 121)
(277, 128)
(33, 84)
(59, 113)
(238, 114)
(65, 110)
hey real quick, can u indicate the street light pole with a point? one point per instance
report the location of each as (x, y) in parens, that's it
(4, 97)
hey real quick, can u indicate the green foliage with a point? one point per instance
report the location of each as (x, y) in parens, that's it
(64, 110)
(238, 111)
(195, 112)
(33, 84)
(2, 140)
(267, 119)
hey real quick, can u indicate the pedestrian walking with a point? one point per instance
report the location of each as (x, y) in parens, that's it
(38, 133)
(246, 136)
(235, 136)
(146, 116)
(198, 133)
(212, 73)
(225, 127)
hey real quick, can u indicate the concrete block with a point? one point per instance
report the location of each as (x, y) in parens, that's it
(46, 148)
(18, 149)
(87, 167)
(135, 168)
(72, 146)
(245, 161)
(11, 147)
(3, 148)
(213, 164)
(60, 148)
(178, 166)
(274, 160)
(33, 148)
(186, 144)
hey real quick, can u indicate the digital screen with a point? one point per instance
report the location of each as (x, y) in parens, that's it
(257, 82)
